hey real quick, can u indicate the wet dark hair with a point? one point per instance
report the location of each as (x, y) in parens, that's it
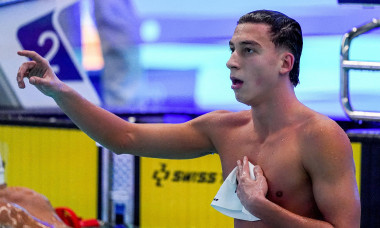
(285, 31)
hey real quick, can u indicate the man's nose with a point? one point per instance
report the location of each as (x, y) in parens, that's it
(232, 62)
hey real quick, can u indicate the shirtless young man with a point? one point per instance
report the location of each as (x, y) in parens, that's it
(304, 165)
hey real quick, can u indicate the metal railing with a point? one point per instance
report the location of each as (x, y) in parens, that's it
(346, 65)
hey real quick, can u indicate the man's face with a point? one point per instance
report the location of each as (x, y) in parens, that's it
(254, 63)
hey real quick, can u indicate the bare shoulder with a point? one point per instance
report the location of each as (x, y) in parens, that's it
(217, 125)
(319, 128)
(224, 118)
(325, 142)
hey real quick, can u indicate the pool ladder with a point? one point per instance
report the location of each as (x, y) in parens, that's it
(346, 65)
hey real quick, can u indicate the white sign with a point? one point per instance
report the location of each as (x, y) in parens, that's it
(34, 25)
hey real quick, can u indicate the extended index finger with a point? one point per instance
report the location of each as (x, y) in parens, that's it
(31, 54)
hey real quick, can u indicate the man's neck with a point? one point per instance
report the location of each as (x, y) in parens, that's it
(276, 114)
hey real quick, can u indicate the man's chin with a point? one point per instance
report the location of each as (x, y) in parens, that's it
(241, 100)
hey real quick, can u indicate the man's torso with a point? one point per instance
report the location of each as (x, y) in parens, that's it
(280, 157)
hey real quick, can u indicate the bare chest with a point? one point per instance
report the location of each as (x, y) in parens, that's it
(280, 157)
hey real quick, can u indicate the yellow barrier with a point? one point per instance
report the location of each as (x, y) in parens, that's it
(178, 193)
(61, 164)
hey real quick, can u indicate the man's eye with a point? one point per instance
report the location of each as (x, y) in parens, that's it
(232, 50)
(248, 50)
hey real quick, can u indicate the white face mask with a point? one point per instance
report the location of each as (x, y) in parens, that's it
(226, 200)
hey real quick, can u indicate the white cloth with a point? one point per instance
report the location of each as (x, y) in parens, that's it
(226, 200)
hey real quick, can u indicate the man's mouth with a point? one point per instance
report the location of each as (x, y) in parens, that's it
(236, 83)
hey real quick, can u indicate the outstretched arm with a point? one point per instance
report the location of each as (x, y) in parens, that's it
(185, 140)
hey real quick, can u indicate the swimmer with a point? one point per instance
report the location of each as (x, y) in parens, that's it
(305, 175)
(20, 207)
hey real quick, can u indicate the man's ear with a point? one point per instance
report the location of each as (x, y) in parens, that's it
(287, 62)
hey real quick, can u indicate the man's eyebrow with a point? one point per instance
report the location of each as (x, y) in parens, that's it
(245, 42)
(249, 42)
